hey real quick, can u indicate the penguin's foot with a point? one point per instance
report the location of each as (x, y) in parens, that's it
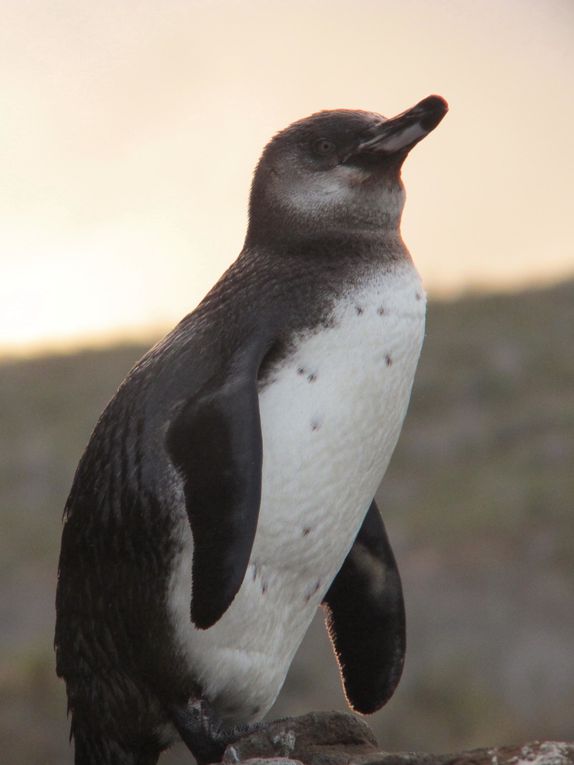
(202, 732)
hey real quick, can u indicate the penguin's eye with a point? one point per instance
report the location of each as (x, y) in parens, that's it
(323, 147)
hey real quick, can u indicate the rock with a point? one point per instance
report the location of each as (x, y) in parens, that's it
(336, 738)
(332, 738)
(271, 761)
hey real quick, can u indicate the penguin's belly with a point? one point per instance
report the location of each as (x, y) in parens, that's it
(331, 414)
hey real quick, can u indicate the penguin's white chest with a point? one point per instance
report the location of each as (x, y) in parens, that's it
(331, 414)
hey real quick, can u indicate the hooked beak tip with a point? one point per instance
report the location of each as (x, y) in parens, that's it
(433, 108)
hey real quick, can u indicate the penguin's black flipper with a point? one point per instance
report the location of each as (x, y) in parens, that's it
(366, 618)
(215, 442)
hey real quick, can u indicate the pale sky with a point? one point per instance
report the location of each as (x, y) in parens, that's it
(129, 132)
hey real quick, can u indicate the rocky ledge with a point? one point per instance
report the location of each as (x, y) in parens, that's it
(335, 738)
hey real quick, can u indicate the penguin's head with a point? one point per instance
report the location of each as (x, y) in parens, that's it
(337, 170)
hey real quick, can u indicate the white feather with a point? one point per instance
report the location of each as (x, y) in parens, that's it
(330, 418)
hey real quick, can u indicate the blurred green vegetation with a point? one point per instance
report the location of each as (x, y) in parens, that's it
(478, 502)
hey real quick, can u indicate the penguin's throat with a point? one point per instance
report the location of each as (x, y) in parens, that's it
(358, 203)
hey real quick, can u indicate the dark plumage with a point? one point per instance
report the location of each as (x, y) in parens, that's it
(180, 447)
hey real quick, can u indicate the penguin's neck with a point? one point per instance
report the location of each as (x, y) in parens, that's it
(333, 244)
(362, 209)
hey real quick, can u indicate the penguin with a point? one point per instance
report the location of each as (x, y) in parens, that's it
(227, 490)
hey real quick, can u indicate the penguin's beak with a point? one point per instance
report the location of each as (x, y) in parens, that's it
(399, 134)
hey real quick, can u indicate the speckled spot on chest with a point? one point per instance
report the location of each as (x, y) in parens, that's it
(331, 415)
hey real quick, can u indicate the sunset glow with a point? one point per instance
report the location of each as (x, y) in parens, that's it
(129, 133)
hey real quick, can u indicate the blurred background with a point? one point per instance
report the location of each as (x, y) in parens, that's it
(128, 137)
